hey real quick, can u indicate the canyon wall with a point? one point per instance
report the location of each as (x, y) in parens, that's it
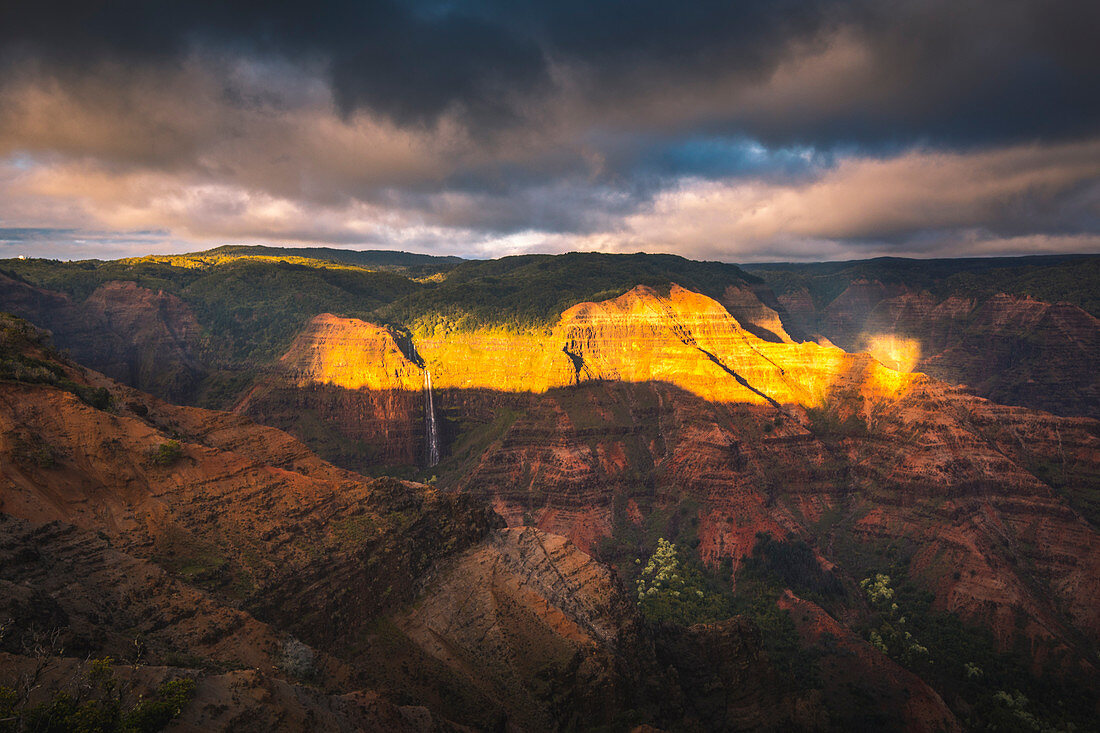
(653, 408)
(141, 337)
(1012, 349)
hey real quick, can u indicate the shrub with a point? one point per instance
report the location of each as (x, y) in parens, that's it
(99, 707)
(166, 453)
(892, 637)
(156, 712)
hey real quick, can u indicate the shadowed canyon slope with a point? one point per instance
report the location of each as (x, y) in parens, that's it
(190, 543)
(145, 338)
(660, 410)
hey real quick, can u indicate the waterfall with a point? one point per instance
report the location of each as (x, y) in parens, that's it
(431, 429)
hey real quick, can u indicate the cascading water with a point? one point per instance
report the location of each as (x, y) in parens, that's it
(431, 429)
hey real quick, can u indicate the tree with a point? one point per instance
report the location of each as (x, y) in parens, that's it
(675, 591)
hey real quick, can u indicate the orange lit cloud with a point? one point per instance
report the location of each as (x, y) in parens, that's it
(229, 148)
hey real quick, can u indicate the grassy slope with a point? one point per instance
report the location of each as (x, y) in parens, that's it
(258, 297)
(408, 263)
(531, 291)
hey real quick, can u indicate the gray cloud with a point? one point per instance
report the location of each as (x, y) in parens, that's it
(715, 128)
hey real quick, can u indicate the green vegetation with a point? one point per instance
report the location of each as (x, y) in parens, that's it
(250, 308)
(99, 705)
(963, 662)
(1075, 281)
(790, 563)
(222, 566)
(406, 263)
(892, 636)
(531, 291)
(673, 591)
(17, 338)
(832, 422)
(355, 530)
(166, 453)
(680, 591)
(629, 540)
(472, 439)
(773, 567)
(254, 307)
(988, 689)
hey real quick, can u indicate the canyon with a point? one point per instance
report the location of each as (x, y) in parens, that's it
(480, 577)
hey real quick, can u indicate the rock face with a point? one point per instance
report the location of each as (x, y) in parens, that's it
(353, 375)
(350, 378)
(210, 540)
(229, 553)
(144, 338)
(759, 312)
(683, 338)
(1009, 348)
(653, 405)
(245, 509)
(55, 576)
(541, 626)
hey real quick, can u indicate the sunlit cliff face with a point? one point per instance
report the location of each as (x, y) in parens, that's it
(898, 353)
(685, 339)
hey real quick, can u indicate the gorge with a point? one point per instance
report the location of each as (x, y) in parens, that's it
(444, 493)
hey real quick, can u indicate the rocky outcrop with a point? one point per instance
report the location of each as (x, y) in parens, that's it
(541, 627)
(354, 376)
(70, 586)
(759, 312)
(200, 533)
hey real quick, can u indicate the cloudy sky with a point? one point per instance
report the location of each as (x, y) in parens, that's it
(735, 130)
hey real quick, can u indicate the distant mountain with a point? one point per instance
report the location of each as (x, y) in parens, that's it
(380, 258)
(1052, 278)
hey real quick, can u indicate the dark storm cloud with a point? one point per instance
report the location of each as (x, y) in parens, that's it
(717, 129)
(409, 62)
(949, 71)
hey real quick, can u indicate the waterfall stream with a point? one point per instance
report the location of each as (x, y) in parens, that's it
(431, 429)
